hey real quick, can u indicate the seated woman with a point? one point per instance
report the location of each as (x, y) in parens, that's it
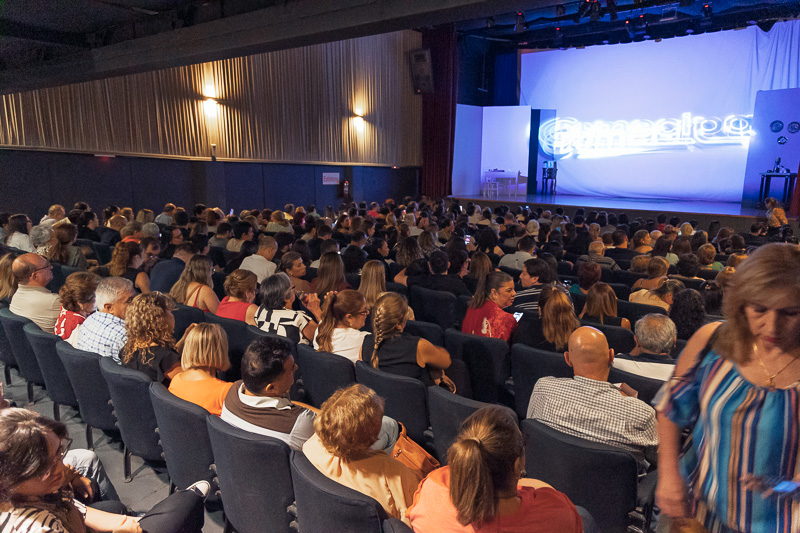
(151, 347)
(346, 429)
(588, 275)
(126, 262)
(343, 316)
(330, 275)
(642, 243)
(373, 286)
(277, 316)
(688, 312)
(35, 496)
(706, 255)
(77, 302)
(601, 307)
(558, 320)
(485, 315)
(8, 283)
(195, 287)
(661, 296)
(292, 264)
(688, 267)
(479, 266)
(205, 352)
(17, 233)
(64, 250)
(483, 489)
(662, 248)
(656, 273)
(240, 287)
(639, 264)
(393, 350)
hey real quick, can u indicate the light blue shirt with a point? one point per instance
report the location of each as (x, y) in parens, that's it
(103, 333)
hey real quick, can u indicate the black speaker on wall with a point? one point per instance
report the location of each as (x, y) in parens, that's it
(421, 71)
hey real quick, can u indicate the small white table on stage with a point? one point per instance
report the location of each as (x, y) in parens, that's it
(501, 178)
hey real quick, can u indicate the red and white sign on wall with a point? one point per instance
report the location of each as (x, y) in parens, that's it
(330, 178)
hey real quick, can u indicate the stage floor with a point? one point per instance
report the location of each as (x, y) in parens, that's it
(658, 205)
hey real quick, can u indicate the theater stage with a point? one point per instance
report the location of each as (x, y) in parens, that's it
(727, 213)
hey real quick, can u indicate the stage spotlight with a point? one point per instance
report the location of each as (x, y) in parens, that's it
(582, 10)
(611, 6)
(519, 27)
(594, 12)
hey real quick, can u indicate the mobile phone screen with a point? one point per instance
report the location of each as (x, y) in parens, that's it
(230, 214)
(517, 316)
(786, 486)
(467, 238)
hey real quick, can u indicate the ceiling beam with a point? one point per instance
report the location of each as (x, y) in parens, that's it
(291, 24)
(9, 28)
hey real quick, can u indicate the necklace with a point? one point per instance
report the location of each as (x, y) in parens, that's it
(770, 379)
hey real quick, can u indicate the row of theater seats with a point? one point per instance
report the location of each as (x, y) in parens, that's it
(158, 426)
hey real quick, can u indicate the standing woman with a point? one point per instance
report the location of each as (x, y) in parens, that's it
(18, 228)
(485, 315)
(195, 287)
(736, 388)
(126, 262)
(482, 488)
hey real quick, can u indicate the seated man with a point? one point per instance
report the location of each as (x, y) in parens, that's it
(221, 237)
(260, 263)
(32, 299)
(620, 249)
(655, 338)
(166, 273)
(536, 274)
(260, 403)
(525, 247)
(590, 407)
(439, 279)
(104, 331)
(597, 252)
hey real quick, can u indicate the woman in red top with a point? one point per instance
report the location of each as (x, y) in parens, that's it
(483, 490)
(485, 315)
(240, 287)
(77, 302)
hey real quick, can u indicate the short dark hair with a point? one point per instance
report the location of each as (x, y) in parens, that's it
(439, 262)
(323, 230)
(526, 243)
(263, 362)
(186, 247)
(331, 245)
(181, 218)
(149, 241)
(688, 265)
(618, 237)
(541, 269)
(241, 228)
(223, 228)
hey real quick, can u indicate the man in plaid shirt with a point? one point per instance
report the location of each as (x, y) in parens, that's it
(590, 407)
(104, 331)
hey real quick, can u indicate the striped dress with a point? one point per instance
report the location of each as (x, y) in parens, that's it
(738, 429)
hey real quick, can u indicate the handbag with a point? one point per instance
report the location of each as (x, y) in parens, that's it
(413, 455)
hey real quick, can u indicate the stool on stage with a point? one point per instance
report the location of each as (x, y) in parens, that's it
(549, 171)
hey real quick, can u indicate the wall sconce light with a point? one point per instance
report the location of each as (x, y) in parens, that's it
(358, 120)
(210, 107)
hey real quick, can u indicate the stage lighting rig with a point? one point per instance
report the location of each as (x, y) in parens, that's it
(519, 27)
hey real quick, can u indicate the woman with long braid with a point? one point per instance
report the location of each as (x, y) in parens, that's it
(393, 350)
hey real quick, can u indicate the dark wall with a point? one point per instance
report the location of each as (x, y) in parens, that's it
(32, 181)
(487, 73)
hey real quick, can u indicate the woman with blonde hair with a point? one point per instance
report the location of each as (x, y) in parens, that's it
(278, 222)
(126, 262)
(127, 212)
(8, 283)
(686, 230)
(558, 320)
(343, 448)
(479, 266)
(151, 347)
(205, 353)
(427, 241)
(776, 216)
(145, 216)
(343, 316)
(601, 307)
(657, 268)
(482, 488)
(393, 350)
(64, 250)
(373, 282)
(195, 287)
(240, 287)
(330, 275)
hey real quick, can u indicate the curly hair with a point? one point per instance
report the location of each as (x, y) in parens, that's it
(350, 421)
(146, 325)
(78, 288)
(688, 312)
(121, 258)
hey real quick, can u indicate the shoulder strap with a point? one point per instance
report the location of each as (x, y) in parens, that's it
(196, 290)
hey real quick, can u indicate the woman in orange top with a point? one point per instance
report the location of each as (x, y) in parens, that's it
(205, 352)
(482, 489)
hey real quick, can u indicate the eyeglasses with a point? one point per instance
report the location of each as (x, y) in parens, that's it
(66, 444)
(48, 266)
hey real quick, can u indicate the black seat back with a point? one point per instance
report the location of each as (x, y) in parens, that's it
(646, 387)
(438, 307)
(406, 398)
(184, 316)
(527, 366)
(6, 351)
(634, 311)
(427, 330)
(255, 479)
(23, 353)
(91, 390)
(55, 376)
(324, 505)
(136, 419)
(238, 340)
(487, 363)
(619, 339)
(600, 478)
(323, 373)
(184, 437)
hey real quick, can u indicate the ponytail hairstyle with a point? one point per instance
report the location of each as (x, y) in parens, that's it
(121, 258)
(558, 319)
(337, 307)
(489, 282)
(482, 463)
(373, 281)
(388, 316)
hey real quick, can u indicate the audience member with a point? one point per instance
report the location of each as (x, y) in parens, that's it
(525, 250)
(661, 296)
(242, 231)
(601, 307)
(535, 275)
(17, 234)
(437, 278)
(195, 287)
(482, 488)
(205, 352)
(8, 283)
(55, 214)
(485, 315)
(706, 254)
(126, 262)
(688, 312)
(165, 274)
(240, 288)
(103, 332)
(292, 264)
(590, 407)
(275, 315)
(64, 250)
(260, 263)
(32, 300)
(165, 217)
(620, 250)
(655, 337)
(662, 248)
(588, 275)
(77, 302)
(597, 255)
(330, 275)
(339, 331)
(657, 268)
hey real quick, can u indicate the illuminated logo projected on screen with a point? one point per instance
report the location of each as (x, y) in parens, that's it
(565, 137)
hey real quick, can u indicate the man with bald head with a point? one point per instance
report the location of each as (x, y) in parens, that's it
(32, 299)
(590, 407)
(597, 254)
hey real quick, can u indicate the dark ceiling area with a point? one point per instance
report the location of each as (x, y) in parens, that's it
(47, 43)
